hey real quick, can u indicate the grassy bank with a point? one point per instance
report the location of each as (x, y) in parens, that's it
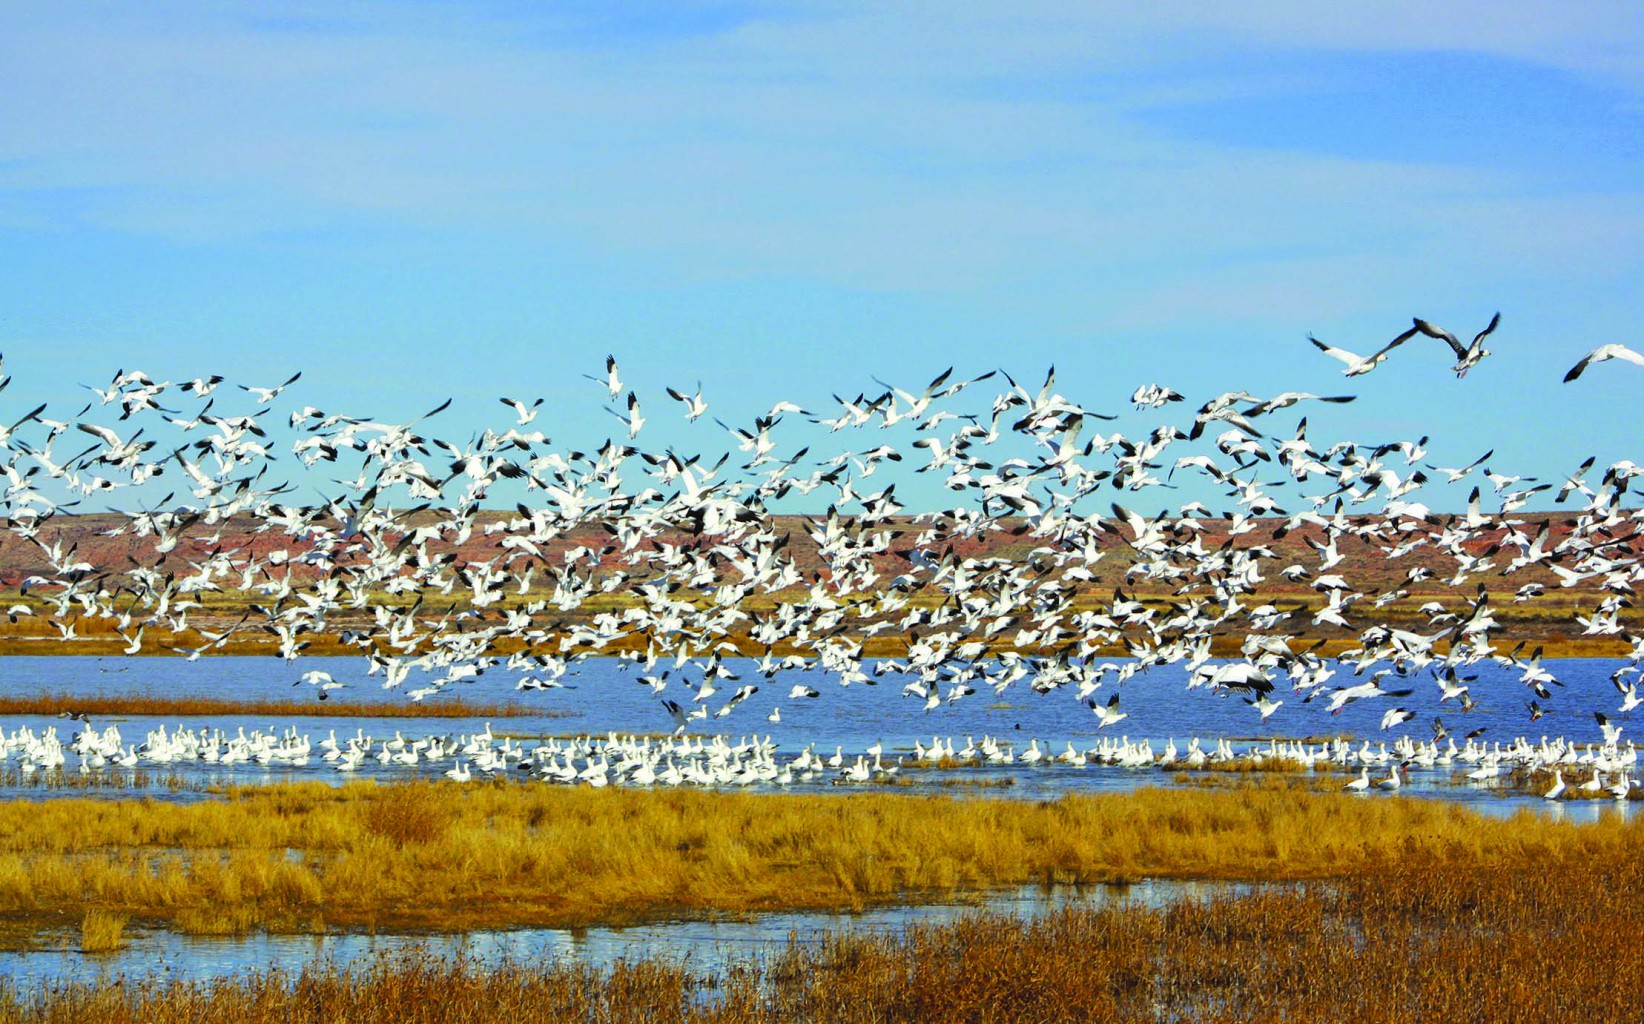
(431, 856)
(1427, 937)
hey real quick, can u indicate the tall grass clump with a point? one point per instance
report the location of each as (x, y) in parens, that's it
(409, 815)
(102, 931)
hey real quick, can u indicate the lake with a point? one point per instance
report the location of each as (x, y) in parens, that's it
(604, 696)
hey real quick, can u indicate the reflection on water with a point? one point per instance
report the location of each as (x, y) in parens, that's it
(707, 946)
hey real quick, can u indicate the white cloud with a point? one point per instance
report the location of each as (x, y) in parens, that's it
(928, 147)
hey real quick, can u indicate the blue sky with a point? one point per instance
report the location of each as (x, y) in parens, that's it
(417, 201)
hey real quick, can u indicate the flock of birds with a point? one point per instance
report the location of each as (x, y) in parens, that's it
(692, 566)
(716, 762)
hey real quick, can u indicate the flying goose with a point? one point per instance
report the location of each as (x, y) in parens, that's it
(1357, 364)
(1599, 355)
(1467, 356)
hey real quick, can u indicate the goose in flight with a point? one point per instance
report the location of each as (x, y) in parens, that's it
(677, 713)
(1108, 714)
(1357, 364)
(695, 406)
(612, 380)
(1264, 704)
(266, 395)
(1630, 697)
(1290, 398)
(1612, 732)
(1467, 356)
(1599, 355)
(1396, 716)
(1154, 396)
(526, 413)
(633, 419)
(1455, 475)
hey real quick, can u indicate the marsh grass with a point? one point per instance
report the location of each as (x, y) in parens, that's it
(119, 779)
(1428, 935)
(305, 856)
(102, 931)
(406, 816)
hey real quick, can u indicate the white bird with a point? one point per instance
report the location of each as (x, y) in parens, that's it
(1599, 355)
(1264, 704)
(1154, 396)
(526, 413)
(1558, 787)
(1396, 716)
(1289, 398)
(633, 419)
(1612, 732)
(1108, 714)
(1357, 364)
(695, 406)
(266, 395)
(611, 380)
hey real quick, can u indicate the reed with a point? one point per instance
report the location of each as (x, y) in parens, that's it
(129, 705)
(102, 932)
(117, 779)
(425, 855)
(1430, 936)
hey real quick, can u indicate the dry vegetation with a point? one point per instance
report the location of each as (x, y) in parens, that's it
(428, 856)
(1431, 934)
(102, 932)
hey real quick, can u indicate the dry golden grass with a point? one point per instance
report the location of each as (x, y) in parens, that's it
(102, 932)
(1434, 934)
(423, 855)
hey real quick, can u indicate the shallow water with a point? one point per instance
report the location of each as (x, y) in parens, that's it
(606, 698)
(707, 947)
